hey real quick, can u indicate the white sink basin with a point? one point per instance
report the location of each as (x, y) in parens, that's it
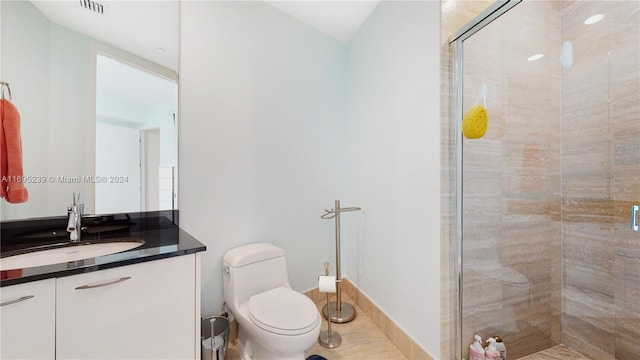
(67, 252)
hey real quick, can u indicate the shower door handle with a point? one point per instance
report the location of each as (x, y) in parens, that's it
(634, 217)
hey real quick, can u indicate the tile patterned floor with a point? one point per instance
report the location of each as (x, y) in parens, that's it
(559, 352)
(361, 339)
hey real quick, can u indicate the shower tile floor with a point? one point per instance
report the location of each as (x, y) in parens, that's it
(361, 339)
(559, 352)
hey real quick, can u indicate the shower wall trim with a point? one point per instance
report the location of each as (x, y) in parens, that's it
(456, 43)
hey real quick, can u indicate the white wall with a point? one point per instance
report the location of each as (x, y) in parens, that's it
(46, 66)
(51, 70)
(119, 110)
(262, 104)
(69, 116)
(277, 123)
(161, 116)
(154, 106)
(29, 80)
(118, 155)
(392, 251)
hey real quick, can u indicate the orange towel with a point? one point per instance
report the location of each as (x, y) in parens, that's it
(11, 175)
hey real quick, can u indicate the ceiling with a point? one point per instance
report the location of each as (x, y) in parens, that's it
(158, 39)
(338, 19)
(120, 25)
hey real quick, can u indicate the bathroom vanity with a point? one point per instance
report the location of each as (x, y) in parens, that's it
(140, 303)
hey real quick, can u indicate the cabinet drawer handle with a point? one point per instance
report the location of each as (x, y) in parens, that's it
(84, 287)
(17, 300)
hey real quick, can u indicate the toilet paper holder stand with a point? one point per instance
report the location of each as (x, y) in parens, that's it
(338, 311)
(329, 339)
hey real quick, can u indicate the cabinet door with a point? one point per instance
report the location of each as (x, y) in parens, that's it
(140, 311)
(27, 314)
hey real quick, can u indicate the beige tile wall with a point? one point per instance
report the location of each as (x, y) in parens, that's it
(518, 191)
(511, 181)
(601, 180)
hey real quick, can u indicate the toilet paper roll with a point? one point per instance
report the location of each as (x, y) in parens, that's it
(327, 284)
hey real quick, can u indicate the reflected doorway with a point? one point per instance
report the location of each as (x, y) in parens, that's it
(136, 138)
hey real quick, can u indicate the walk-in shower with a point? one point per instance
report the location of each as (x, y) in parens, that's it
(543, 247)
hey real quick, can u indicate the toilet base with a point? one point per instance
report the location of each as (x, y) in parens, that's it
(249, 349)
(347, 312)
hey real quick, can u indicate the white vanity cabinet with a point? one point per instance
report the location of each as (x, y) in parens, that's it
(27, 315)
(141, 311)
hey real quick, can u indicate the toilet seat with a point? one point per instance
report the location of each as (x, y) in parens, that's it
(283, 311)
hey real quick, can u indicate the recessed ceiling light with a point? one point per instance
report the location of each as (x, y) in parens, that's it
(447, 6)
(594, 19)
(535, 57)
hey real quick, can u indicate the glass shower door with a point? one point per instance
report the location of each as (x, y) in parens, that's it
(511, 185)
(601, 179)
(548, 253)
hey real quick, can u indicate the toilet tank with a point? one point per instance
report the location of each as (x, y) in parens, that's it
(252, 269)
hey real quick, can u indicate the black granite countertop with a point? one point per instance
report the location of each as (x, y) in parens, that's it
(159, 230)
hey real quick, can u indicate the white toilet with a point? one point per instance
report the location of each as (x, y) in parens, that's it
(275, 322)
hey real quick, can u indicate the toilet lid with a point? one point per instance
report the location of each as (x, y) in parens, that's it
(283, 311)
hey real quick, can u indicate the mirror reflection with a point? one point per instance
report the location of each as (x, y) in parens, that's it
(96, 89)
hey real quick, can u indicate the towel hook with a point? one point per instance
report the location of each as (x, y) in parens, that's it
(5, 85)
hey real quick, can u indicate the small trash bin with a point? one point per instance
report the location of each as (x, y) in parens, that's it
(214, 337)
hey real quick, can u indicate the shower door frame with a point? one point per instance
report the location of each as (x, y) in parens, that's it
(456, 46)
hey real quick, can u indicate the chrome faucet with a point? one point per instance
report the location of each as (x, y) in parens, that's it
(74, 225)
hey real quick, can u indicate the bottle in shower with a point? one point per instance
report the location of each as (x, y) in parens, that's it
(476, 352)
(491, 353)
(500, 346)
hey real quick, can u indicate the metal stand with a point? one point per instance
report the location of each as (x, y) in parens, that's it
(329, 339)
(338, 312)
(345, 314)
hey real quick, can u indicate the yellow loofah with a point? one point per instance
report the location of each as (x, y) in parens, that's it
(475, 122)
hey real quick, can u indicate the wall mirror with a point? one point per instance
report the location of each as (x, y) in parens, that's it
(96, 85)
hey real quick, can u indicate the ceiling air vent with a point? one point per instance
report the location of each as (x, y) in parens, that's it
(93, 6)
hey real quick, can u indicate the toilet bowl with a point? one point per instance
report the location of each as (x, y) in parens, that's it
(275, 322)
